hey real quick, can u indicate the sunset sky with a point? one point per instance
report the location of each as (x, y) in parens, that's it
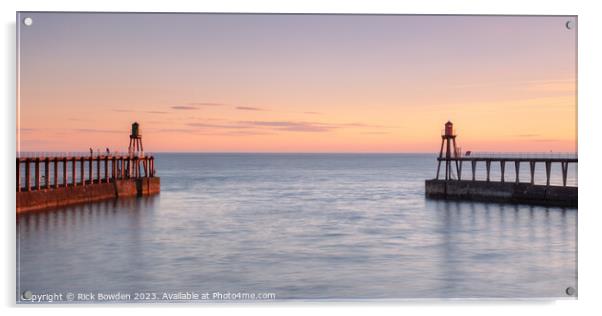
(296, 83)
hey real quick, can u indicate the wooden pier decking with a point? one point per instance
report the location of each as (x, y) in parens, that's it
(121, 167)
(50, 181)
(131, 174)
(452, 186)
(512, 158)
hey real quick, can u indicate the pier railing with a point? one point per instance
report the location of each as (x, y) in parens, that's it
(521, 155)
(42, 171)
(61, 154)
(564, 159)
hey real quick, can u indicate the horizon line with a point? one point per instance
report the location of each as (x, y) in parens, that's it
(316, 152)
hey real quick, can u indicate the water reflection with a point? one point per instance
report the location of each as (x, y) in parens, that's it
(311, 227)
(81, 215)
(514, 249)
(68, 240)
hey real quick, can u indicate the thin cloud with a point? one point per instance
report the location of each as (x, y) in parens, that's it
(224, 126)
(206, 104)
(27, 130)
(184, 107)
(374, 133)
(356, 124)
(306, 128)
(249, 108)
(175, 130)
(257, 126)
(69, 131)
(292, 126)
(246, 133)
(249, 127)
(123, 111)
(90, 130)
(227, 130)
(545, 140)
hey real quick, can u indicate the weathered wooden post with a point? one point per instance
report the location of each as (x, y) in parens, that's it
(106, 169)
(56, 172)
(82, 168)
(488, 166)
(564, 166)
(502, 167)
(73, 171)
(18, 174)
(113, 168)
(47, 173)
(121, 168)
(532, 166)
(474, 170)
(135, 166)
(27, 175)
(90, 170)
(37, 170)
(548, 167)
(129, 163)
(98, 169)
(65, 171)
(145, 164)
(516, 168)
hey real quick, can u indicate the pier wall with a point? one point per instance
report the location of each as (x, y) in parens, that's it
(56, 197)
(511, 192)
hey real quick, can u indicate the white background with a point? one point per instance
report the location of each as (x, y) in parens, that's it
(590, 88)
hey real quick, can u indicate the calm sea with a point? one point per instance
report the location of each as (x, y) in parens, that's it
(301, 226)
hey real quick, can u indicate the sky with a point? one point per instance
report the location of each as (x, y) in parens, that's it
(296, 83)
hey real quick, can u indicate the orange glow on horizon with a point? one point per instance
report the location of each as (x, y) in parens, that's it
(376, 91)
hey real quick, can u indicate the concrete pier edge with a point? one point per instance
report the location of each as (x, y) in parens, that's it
(37, 200)
(505, 192)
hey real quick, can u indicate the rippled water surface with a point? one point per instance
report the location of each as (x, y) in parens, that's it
(302, 226)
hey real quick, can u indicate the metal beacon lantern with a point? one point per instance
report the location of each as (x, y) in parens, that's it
(448, 140)
(135, 149)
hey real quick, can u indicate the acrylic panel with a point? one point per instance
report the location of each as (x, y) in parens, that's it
(205, 157)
